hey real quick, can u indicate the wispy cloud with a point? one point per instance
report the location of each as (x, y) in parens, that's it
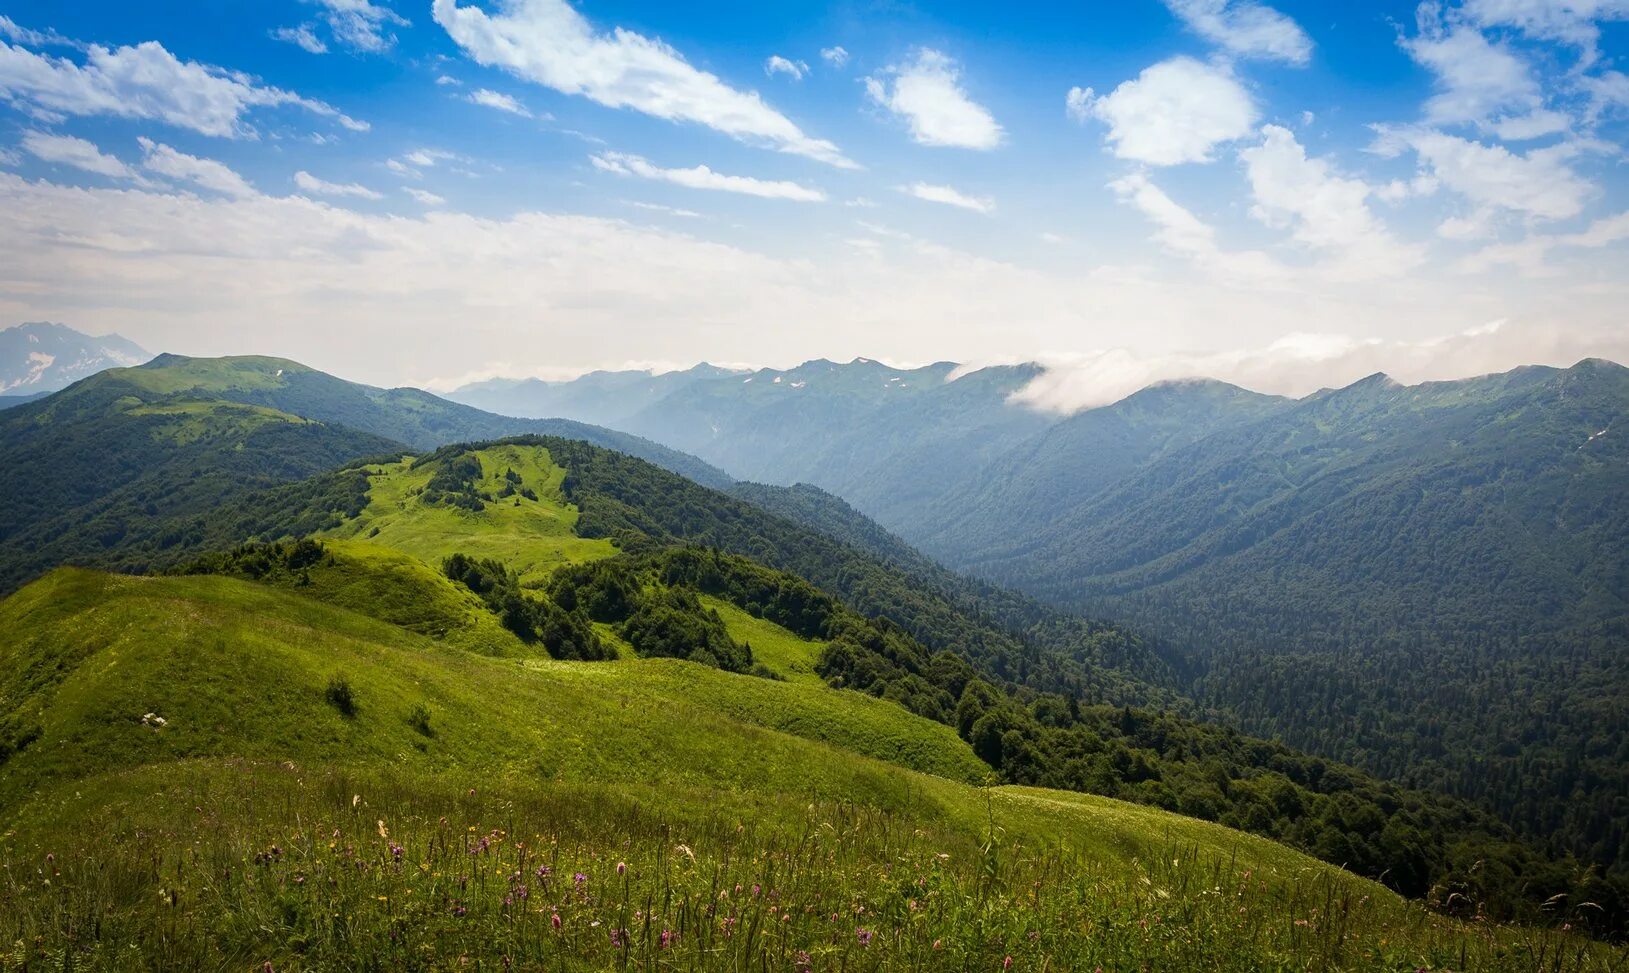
(488, 98)
(321, 187)
(775, 64)
(1245, 28)
(146, 81)
(204, 173)
(550, 43)
(949, 197)
(702, 177)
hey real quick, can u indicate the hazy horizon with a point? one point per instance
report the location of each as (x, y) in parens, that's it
(1285, 196)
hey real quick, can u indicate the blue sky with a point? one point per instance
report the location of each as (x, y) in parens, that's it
(1284, 195)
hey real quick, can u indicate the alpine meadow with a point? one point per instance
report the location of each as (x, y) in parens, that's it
(820, 486)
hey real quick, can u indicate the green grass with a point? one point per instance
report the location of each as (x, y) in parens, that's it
(192, 422)
(259, 824)
(783, 653)
(532, 537)
(210, 374)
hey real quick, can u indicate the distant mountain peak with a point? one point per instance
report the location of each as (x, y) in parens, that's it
(42, 356)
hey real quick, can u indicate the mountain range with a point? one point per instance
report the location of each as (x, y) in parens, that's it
(1380, 548)
(42, 357)
(1380, 626)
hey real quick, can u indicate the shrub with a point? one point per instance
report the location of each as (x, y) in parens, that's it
(340, 695)
(419, 719)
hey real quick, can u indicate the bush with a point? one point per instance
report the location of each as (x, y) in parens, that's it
(340, 695)
(419, 719)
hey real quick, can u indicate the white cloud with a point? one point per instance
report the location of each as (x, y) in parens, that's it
(497, 99)
(1539, 184)
(1245, 28)
(688, 214)
(412, 163)
(701, 177)
(18, 34)
(427, 198)
(949, 197)
(284, 270)
(780, 65)
(146, 81)
(1077, 104)
(836, 56)
(927, 93)
(1569, 21)
(447, 79)
(1477, 80)
(311, 184)
(1529, 255)
(207, 173)
(78, 153)
(1300, 363)
(1324, 210)
(302, 37)
(1182, 233)
(1176, 111)
(549, 42)
(361, 24)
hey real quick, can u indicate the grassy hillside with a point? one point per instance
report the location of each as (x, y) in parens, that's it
(99, 471)
(193, 795)
(405, 415)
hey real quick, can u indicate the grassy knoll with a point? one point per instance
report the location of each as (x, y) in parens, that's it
(781, 652)
(533, 537)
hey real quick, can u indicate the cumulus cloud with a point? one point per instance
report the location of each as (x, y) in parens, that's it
(205, 173)
(836, 56)
(927, 93)
(362, 25)
(780, 65)
(488, 98)
(148, 82)
(1175, 111)
(949, 197)
(1323, 210)
(550, 43)
(702, 177)
(302, 37)
(1245, 28)
(1539, 183)
(311, 184)
(76, 152)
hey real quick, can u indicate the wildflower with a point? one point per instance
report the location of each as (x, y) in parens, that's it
(616, 938)
(579, 879)
(622, 868)
(554, 920)
(1006, 964)
(668, 938)
(864, 936)
(384, 832)
(267, 967)
(938, 944)
(802, 961)
(756, 890)
(543, 871)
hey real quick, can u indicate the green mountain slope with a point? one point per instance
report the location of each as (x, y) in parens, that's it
(207, 800)
(1454, 556)
(93, 470)
(405, 415)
